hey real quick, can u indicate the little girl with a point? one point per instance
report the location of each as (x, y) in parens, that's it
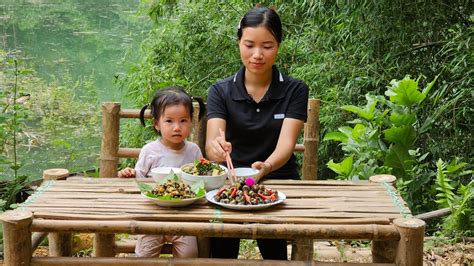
(172, 111)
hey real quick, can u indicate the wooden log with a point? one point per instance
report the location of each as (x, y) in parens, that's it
(299, 147)
(17, 237)
(410, 246)
(60, 244)
(36, 239)
(110, 139)
(311, 141)
(103, 245)
(302, 249)
(55, 174)
(251, 231)
(433, 214)
(391, 179)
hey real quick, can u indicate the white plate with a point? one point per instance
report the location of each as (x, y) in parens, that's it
(172, 203)
(210, 197)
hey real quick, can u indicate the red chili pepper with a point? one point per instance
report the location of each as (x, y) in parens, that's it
(271, 197)
(219, 192)
(247, 197)
(233, 192)
(203, 161)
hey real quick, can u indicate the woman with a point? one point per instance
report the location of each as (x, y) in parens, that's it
(261, 111)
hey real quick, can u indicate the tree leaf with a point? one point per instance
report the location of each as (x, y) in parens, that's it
(405, 92)
(404, 135)
(337, 136)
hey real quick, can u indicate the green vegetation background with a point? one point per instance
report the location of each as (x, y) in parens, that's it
(341, 49)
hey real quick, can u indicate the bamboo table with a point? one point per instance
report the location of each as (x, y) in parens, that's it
(312, 210)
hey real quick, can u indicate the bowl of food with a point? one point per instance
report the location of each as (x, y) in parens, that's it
(245, 172)
(172, 192)
(211, 173)
(159, 173)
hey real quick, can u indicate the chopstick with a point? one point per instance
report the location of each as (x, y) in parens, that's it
(232, 177)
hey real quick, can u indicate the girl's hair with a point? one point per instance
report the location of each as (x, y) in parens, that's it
(171, 96)
(261, 16)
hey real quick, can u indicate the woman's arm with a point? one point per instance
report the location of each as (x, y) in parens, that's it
(289, 133)
(216, 146)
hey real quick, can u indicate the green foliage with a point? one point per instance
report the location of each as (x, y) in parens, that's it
(384, 132)
(342, 50)
(448, 178)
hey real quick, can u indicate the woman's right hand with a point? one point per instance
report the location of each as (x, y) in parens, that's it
(126, 173)
(219, 148)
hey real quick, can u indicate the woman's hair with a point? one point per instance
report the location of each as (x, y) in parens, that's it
(171, 96)
(261, 16)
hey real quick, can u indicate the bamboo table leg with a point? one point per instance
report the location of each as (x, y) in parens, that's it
(302, 249)
(60, 244)
(410, 246)
(204, 248)
(17, 237)
(384, 251)
(104, 245)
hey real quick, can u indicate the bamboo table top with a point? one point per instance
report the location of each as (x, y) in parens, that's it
(308, 202)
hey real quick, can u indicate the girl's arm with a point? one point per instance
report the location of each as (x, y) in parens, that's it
(216, 146)
(289, 133)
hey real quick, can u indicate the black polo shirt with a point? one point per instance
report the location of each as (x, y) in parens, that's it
(253, 128)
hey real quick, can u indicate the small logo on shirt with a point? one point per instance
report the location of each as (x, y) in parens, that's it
(279, 116)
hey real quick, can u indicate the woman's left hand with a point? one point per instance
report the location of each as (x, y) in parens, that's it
(263, 168)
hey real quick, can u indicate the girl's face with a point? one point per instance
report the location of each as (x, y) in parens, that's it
(175, 126)
(258, 50)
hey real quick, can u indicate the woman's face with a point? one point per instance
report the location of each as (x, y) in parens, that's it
(175, 125)
(258, 50)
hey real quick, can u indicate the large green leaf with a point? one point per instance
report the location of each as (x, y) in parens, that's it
(337, 136)
(358, 132)
(405, 92)
(367, 112)
(404, 135)
(399, 160)
(343, 168)
(399, 119)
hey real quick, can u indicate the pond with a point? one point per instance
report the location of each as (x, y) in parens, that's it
(66, 43)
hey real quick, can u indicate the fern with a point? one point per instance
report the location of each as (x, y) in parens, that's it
(446, 191)
(460, 222)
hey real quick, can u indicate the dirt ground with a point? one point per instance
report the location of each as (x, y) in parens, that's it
(436, 252)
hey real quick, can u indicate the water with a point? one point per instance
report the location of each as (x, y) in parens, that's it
(83, 39)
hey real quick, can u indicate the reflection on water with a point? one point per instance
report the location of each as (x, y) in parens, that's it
(81, 39)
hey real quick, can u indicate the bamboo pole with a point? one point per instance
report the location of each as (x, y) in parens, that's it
(311, 141)
(88, 261)
(204, 247)
(17, 237)
(251, 231)
(384, 251)
(302, 249)
(36, 239)
(60, 244)
(134, 113)
(128, 152)
(383, 178)
(55, 174)
(110, 139)
(410, 246)
(104, 245)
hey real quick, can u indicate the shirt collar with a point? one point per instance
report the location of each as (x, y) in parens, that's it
(274, 92)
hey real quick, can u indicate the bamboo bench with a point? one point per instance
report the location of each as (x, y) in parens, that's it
(111, 150)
